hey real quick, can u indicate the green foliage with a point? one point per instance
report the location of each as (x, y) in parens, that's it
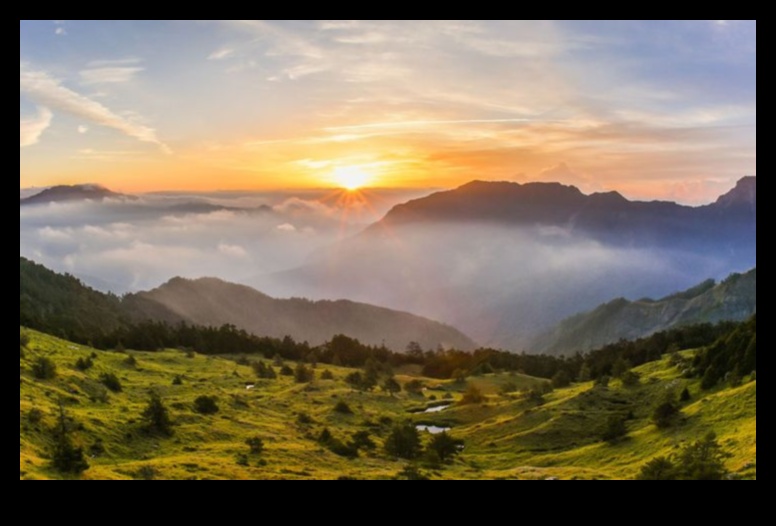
(685, 396)
(414, 387)
(327, 375)
(336, 446)
(44, 368)
(286, 371)
(362, 440)
(24, 339)
(303, 374)
(146, 473)
(660, 468)
(157, 416)
(35, 416)
(585, 374)
(206, 405)
(391, 386)
(472, 395)
(111, 382)
(620, 367)
(445, 446)
(130, 361)
(411, 473)
(665, 413)
(256, 445)
(733, 354)
(178, 380)
(615, 429)
(630, 379)
(84, 364)
(66, 457)
(700, 460)
(404, 442)
(561, 379)
(264, 371)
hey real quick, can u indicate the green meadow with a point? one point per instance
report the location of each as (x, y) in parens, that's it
(517, 432)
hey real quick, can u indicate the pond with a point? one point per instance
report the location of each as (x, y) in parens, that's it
(434, 430)
(437, 409)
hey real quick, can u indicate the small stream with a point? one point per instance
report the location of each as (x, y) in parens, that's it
(434, 430)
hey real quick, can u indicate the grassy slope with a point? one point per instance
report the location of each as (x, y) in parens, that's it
(506, 438)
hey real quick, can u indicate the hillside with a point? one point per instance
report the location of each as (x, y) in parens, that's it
(63, 305)
(212, 302)
(513, 435)
(734, 299)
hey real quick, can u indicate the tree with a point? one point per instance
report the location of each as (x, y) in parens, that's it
(327, 375)
(446, 446)
(685, 396)
(585, 374)
(472, 396)
(660, 468)
(156, 416)
(414, 387)
(256, 445)
(303, 374)
(620, 367)
(615, 429)
(411, 473)
(67, 458)
(356, 381)
(391, 386)
(702, 460)
(44, 369)
(404, 442)
(84, 364)
(561, 379)
(206, 405)
(664, 414)
(630, 379)
(343, 408)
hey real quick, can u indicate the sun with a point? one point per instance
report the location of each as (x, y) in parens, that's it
(351, 177)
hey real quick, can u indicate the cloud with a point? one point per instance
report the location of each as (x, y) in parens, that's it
(221, 54)
(60, 31)
(112, 75)
(287, 227)
(32, 128)
(83, 129)
(232, 250)
(40, 87)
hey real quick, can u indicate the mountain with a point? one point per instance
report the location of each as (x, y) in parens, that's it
(735, 299)
(64, 193)
(62, 305)
(212, 302)
(505, 262)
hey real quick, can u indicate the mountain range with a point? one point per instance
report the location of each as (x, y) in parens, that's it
(505, 262)
(734, 299)
(69, 193)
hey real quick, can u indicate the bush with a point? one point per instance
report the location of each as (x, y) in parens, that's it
(111, 382)
(304, 419)
(263, 371)
(327, 375)
(131, 361)
(66, 458)
(664, 414)
(561, 379)
(303, 374)
(660, 468)
(145, 473)
(630, 379)
(84, 364)
(362, 440)
(206, 405)
(286, 371)
(256, 445)
(343, 408)
(701, 460)
(157, 417)
(411, 473)
(403, 442)
(391, 386)
(615, 429)
(178, 380)
(446, 447)
(414, 387)
(685, 396)
(44, 369)
(35, 416)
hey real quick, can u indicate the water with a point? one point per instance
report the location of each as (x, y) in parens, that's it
(434, 430)
(437, 409)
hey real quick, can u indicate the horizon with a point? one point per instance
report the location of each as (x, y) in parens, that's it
(294, 105)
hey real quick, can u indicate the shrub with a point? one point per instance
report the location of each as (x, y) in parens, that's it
(286, 371)
(660, 468)
(685, 396)
(206, 405)
(445, 446)
(701, 460)
(157, 417)
(411, 473)
(404, 442)
(327, 375)
(111, 382)
(66, 458)
(84, 364)
(178, 380)
(35, 416)
(303, 374)
(664, 414)
(146, 473)
(362, 440)
(44, 369)
(630, 379)
(304, 419)
(131, 361)
(414, 387)
(256, 445)
(615, 429)
(391, 386)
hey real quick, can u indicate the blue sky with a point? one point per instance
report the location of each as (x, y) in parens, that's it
(653, 109)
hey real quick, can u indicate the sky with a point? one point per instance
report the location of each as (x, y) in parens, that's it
(653, 109)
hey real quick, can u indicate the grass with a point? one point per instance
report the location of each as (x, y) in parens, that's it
(508, 437)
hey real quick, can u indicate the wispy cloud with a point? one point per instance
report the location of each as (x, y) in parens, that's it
(221, 54)
(42, 88)
(32, 128)
(111, 75)
(60, 31)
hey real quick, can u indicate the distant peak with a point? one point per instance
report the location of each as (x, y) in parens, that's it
(78, 192)
(744, 193)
